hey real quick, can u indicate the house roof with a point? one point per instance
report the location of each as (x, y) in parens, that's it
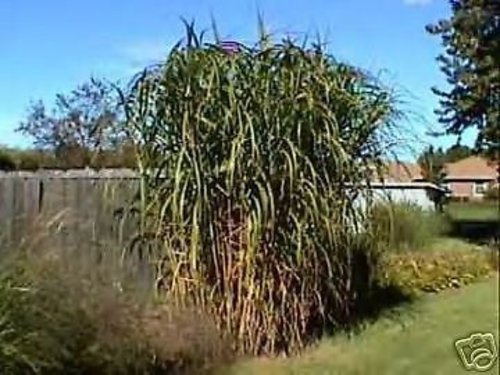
(471, 168)
(402, 172)
(401, 185)
(406, 185)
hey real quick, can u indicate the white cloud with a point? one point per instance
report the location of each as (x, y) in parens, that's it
(417, 2)
(145, 51)
(129, 59)
(116, 69)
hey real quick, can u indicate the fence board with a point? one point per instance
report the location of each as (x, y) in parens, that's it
(87, 201)
(6, 209)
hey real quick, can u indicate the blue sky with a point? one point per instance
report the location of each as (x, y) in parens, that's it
(50, 46)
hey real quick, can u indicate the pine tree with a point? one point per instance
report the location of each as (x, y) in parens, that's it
(471, 64)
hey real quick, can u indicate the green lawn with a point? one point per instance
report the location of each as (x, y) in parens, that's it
(473, 211)
(417, 340)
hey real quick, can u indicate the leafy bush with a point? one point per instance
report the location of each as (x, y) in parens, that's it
(26, 159)
(246, 156)
(59, 318)
(29, 160)
(493, 193)
(7, 163)
(415, 273)
(122, 156)
(405, 226)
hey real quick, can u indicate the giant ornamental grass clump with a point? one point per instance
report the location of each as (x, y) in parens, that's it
(250, 162)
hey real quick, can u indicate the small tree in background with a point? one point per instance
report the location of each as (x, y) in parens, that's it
(82, 124)
(432, 164)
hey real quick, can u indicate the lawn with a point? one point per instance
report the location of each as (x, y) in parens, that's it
(416, 339)
(474, 211)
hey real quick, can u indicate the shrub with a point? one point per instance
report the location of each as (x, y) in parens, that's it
(415, 273)
(26, 159)
(493, 193)
(405, 226)
(57, 317)
(29, 160)
(122, 156)
(246, 157)
(7, 163)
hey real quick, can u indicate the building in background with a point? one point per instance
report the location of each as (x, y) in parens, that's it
(403, 183)
(466, 179)
(470, 178)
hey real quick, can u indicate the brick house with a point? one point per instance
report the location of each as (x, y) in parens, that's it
(470, 178)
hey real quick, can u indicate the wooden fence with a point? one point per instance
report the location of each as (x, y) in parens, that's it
(71, 207)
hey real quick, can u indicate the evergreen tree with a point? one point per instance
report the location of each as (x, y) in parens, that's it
(471, 63)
